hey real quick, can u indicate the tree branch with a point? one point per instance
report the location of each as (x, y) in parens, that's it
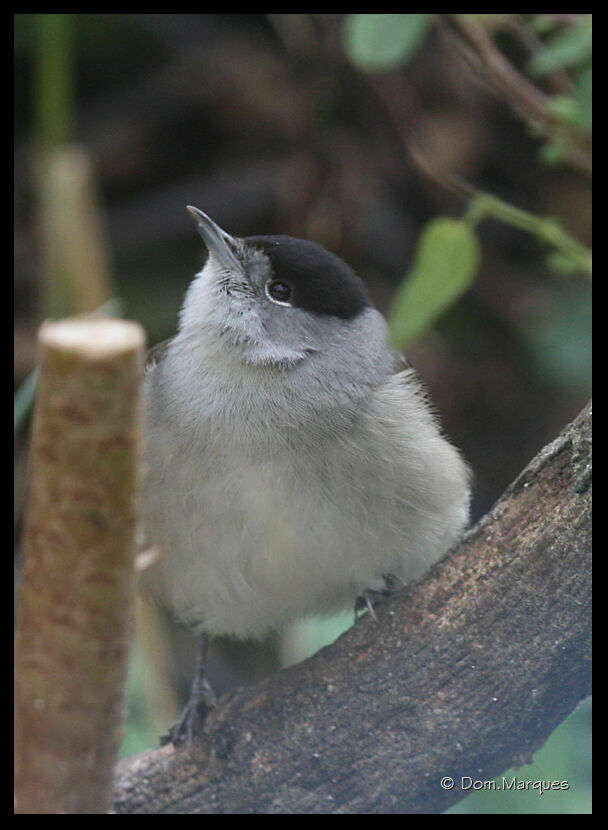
(466, 673)
(77, 587)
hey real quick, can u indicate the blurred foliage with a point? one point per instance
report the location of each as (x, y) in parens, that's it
(53, 49)
(447, 258)
(384, 41)
(564, 47)
(567, 48)
(140, 732)
(445, 264)
(378, 42)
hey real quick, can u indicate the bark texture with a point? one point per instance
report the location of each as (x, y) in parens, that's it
(77, 586)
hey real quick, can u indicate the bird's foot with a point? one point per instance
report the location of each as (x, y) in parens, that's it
(370, 598)
(202, 700)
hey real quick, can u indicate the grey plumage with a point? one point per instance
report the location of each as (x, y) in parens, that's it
(288, 466)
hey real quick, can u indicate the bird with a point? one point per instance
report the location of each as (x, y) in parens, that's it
(293, 462)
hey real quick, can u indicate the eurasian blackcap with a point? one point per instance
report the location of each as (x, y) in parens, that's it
(292, 462)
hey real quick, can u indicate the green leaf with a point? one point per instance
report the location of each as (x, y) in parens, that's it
(552, 153)
(564, 109)
(383, 41)
(568, 47)
(445, 264)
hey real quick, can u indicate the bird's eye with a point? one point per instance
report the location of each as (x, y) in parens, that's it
(279, 291)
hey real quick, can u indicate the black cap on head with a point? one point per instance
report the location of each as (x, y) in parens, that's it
(321, 281)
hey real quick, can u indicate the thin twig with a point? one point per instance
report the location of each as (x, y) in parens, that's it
(526, 99)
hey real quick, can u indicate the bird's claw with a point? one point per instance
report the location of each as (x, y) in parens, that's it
(369, 598)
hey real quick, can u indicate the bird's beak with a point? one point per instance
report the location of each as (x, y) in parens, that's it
(217, 240)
